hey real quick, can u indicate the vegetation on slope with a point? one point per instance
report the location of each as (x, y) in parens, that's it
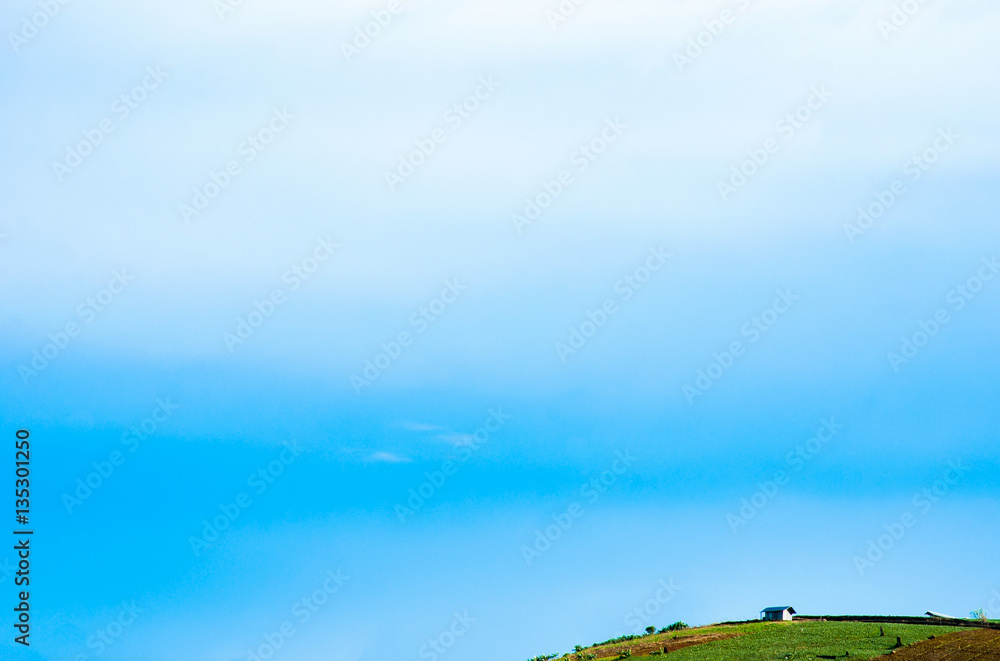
(762, 641)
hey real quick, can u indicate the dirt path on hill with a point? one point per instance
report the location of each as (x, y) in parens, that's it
(972, 645)
(672, 644)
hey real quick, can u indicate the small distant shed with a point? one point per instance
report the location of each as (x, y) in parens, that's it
(777, 613)
(940, 615)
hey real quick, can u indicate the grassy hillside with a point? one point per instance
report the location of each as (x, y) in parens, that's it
(760, 641)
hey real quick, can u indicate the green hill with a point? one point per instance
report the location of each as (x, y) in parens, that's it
(766, 641)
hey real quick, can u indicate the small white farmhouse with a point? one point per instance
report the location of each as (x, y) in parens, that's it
(777, 613)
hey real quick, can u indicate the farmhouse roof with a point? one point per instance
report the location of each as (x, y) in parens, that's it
(942, 615)
(778, 609)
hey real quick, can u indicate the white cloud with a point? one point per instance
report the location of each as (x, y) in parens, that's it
(420, 426)
(388, 458)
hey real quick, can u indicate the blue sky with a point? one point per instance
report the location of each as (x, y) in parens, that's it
(533, 534)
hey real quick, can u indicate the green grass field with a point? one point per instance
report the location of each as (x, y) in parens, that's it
(792, 640)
